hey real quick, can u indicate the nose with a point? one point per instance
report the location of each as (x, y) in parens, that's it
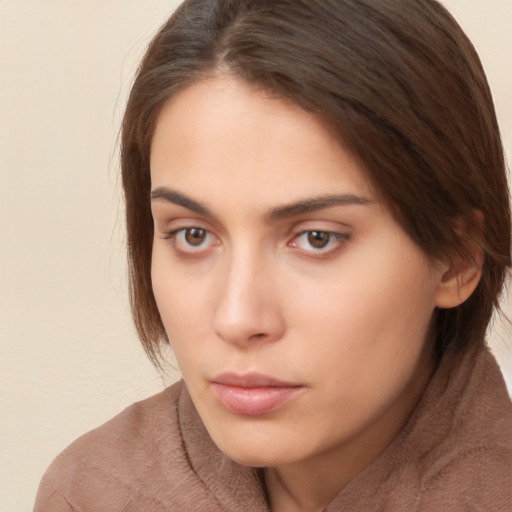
(248, 309)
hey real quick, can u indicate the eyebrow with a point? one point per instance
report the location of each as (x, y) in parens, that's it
(281, 212)
(315, 204)
(172, 196)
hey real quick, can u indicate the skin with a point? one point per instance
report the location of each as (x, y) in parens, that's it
(347, 322)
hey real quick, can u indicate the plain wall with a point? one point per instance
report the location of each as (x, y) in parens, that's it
(69, 356)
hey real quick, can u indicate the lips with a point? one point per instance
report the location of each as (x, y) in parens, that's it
(253, 394)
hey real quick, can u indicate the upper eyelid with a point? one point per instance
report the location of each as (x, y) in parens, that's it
(326, 231)
(173, 226)
(332, 231)
(335, 228)
(171, 233)
(165, 216)
(175, 231)
(339, 238)
(167, 225)
(314, 217)
(321, 224)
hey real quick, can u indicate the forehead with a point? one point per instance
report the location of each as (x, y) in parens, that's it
(222, 137)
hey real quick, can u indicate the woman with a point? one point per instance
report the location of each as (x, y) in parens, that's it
(318, 224)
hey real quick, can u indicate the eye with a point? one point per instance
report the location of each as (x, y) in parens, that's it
(318, 241)
(192, 239)
(195, 236)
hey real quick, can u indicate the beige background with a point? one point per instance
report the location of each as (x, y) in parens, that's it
(69, 358)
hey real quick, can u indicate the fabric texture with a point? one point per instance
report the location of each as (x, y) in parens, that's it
(453, 454)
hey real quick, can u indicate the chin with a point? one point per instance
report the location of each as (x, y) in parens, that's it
(253, 453)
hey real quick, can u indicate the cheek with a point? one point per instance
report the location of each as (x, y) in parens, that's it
(182, 302)
(363, 300)
(369, 325)
(171, 293)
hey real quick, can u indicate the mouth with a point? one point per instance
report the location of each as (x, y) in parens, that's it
(253, 394)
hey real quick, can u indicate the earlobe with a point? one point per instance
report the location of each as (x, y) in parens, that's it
(459, 281)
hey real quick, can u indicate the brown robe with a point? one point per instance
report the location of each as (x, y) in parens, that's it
(453, 454)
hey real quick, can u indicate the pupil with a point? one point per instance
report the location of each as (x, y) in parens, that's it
(195, 236)
(318, 239)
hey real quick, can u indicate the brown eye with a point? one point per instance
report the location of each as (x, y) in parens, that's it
(319, 243)
(195, 236)
(318, 239)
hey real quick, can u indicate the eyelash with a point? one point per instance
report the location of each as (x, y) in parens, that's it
(334, 241)
(178, 238)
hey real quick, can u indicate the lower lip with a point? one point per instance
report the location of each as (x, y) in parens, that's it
(254, 401)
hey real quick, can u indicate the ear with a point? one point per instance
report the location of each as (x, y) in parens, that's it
(461, 276)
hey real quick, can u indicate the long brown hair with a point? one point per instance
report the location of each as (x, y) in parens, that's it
(403, 87)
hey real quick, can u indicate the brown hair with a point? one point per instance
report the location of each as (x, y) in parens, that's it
(398, 80)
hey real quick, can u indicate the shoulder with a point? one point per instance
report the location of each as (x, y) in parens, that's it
(130, 456)
(478, 478)
(468, 461)
(472, 468)
(454, 453)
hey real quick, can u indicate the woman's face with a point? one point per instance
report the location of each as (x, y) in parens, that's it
(297, 307)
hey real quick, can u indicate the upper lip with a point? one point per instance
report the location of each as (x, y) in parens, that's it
(251, 380)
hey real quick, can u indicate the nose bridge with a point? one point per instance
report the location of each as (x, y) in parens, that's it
(246, 308)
